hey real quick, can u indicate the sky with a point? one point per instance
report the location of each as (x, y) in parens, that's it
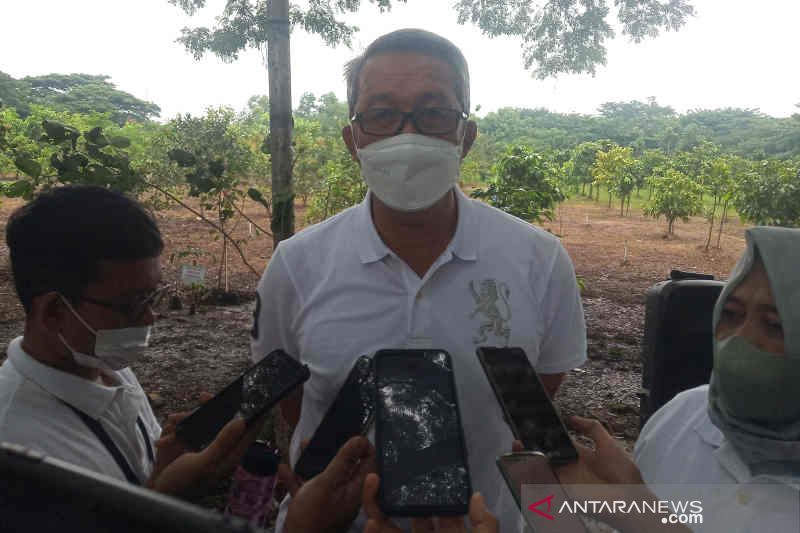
(734, 53)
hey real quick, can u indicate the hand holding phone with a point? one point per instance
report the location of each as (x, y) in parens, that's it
(527, 408)
(349, 415)
(422, 459)
(253, 393)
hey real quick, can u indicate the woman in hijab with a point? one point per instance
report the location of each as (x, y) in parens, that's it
(733, 444)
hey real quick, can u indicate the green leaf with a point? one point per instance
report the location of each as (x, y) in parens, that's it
(216, 167)
(28, 166)
(19, 188)
(98, 173)
(95, 136)
(120, 142)
(59, 132)
(182, 157)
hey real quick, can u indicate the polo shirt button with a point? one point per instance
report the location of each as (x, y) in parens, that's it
(419, 295)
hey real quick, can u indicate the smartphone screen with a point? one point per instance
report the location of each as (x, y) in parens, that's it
(528, 410)
(533, 470)
(422, 460)
(348, 416)
(251, 394)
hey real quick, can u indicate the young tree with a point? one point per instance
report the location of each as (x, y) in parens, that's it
(675, 196)
(769, 194)
(717, 181)
(524, 185)
(615, 168)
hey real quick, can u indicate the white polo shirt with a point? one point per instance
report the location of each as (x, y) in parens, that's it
(679, 445)
(335, 291)
(33, 414)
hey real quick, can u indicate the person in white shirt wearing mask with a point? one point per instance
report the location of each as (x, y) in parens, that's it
(733, 444)
(86, 268)
(418, 264)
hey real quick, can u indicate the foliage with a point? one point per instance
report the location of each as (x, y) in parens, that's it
(524, 185)
(615, 168)
(341, 187)
(49, 147)
(568, 36)
(675, 196)
(769, 194)
(76, 94)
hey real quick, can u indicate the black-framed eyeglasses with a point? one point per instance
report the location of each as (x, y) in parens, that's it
(134, 310)
(384, 121)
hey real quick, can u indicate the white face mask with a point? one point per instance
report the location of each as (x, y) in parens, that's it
(410, 172)
(114, 349)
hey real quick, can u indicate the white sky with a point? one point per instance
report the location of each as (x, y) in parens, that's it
(734, 53)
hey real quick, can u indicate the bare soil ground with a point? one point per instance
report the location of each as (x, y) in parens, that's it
(207, 350)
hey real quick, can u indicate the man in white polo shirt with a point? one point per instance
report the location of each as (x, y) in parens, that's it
(417, 263)
(86, 269)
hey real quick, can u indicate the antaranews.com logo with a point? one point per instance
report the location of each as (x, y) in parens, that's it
(688, 512)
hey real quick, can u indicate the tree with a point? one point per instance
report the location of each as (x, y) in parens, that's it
(562, 36)
(615, 168)
(769, 194)
(582, 161)
(717, 181)
(77, 94)
(675, 196)
(524, 185)
(212, 152)
(341, 186)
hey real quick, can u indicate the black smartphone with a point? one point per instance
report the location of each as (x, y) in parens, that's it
(259, 388)
(527, 408)
(543, 494)
(349, 415)
(419, 440)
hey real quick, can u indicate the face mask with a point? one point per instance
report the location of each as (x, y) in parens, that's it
(410, 172)
(753, 386)
(114, 349)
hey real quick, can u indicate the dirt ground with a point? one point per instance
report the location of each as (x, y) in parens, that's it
(619, 258)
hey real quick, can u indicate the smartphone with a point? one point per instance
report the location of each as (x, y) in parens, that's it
(419, 440)
(543, 492)
(349, 415)
(254, 392)
(527, 408)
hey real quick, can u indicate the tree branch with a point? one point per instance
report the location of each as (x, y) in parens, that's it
(247, 218)
(206, 220)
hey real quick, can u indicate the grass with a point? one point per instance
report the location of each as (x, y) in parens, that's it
(638, 202)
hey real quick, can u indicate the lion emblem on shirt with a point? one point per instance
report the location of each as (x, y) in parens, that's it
(491, 301)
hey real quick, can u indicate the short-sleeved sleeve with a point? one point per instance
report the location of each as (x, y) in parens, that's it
(563, 345)
(277, 304)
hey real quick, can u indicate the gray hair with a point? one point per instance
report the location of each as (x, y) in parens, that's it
(411, 40)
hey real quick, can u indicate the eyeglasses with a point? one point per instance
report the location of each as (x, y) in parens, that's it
(426, 120)
(134, 310)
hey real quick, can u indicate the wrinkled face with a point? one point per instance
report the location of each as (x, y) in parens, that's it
(120, 284)
(750, 313)
(407, 81)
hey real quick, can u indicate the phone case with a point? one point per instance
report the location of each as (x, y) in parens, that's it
(511, 384)
(425, 510)
(201, 427)
(534, 469)
(313, 459)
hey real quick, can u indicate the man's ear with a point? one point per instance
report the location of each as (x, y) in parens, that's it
(48, 310)
(350, 141)
(470, 134)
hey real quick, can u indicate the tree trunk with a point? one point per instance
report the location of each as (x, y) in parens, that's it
(280, 123)
(669, 228)
(609, 199)
(711, 222)
(722, 221)
(622, 206)
(629, 206)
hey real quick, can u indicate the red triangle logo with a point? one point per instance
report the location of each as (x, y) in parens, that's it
(534, 507)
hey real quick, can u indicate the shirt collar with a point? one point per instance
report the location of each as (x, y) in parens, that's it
(371, 247)
(87, 396)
